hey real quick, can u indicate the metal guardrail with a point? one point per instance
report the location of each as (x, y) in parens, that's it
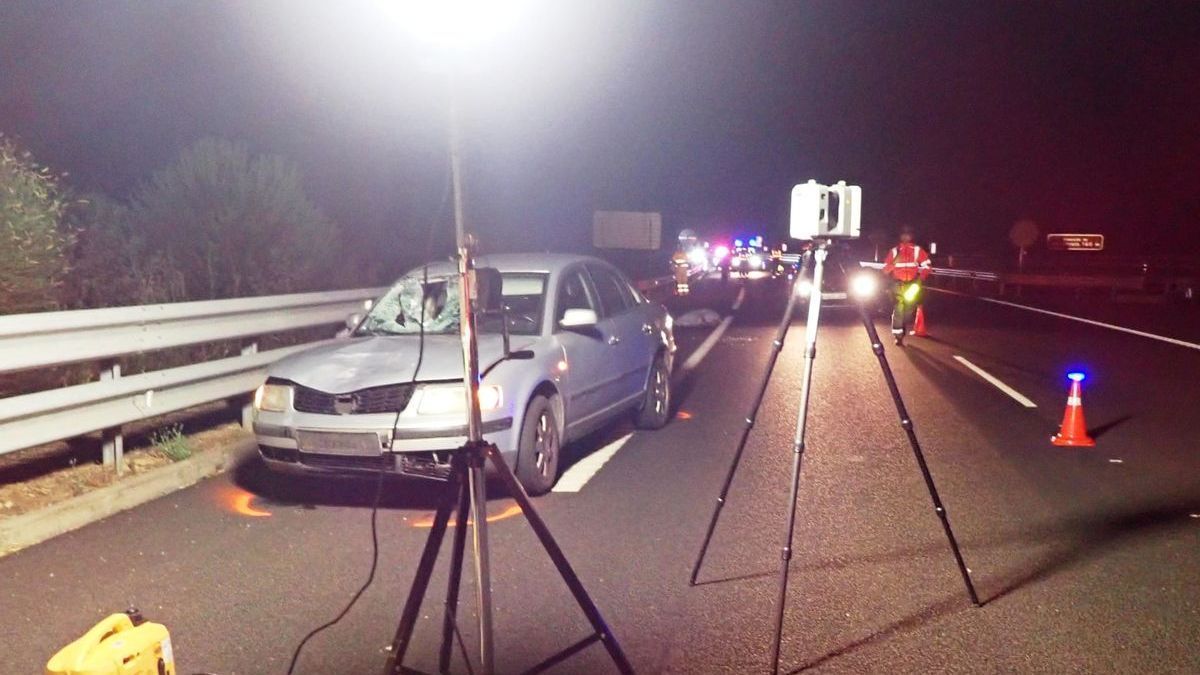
(645, 285)
(1114, 282)
(60, 338)
(48, 339)
(945, 272)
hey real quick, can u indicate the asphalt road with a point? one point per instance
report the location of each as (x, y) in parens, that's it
(1087, 559)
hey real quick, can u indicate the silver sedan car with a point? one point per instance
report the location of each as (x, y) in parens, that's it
(584, 348)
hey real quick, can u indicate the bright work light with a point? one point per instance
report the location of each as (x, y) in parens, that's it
(456, 23)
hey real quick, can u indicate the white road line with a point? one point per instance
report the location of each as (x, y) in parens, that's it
(574, 478)
(737, 302)
(711, 341)
(1080, 319)
(1016, 395)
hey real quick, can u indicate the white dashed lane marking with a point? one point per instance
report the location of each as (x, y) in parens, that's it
(713, 337)
(995, 381)
(574, 478)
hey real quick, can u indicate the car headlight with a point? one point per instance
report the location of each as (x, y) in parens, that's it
(450, 399)
(804, 288)
(864, 286)
(756, 261)
(273, 397)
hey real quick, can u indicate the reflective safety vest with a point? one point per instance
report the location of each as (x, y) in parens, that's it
(906, 262)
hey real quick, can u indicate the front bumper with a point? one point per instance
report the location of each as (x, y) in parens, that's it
(307, 443)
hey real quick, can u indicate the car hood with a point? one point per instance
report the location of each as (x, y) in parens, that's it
(358, 363)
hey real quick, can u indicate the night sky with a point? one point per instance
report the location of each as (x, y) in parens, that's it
(956, 117)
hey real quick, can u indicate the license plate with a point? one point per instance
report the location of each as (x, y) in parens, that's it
(833, 296)
(337, 443)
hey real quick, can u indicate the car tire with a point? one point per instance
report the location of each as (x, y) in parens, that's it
(655, 409)
(541, 447)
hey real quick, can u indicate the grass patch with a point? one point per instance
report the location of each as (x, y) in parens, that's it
(172, 442)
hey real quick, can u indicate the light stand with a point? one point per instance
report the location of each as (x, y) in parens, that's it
(466, 492)
(458, 492)
(470, 349)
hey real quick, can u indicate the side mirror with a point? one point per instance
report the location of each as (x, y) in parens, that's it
(489, 292)
(579, 318)
(353, 320)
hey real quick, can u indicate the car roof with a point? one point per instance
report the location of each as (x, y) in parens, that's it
(518, 262)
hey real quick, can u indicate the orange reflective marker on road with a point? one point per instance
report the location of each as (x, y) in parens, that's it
(509, 512)
(239, 501)
(683, 415)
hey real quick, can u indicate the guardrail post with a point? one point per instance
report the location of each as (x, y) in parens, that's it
(112, 444)
(248, 408)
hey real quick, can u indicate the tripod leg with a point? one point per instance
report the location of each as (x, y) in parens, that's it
(906, 423)
(810, 355)
(416, 593)
(479, 538)
(560, 561)
(777, 346)
(452, 586)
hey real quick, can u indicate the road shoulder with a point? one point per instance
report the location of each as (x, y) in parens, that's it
(25, 530)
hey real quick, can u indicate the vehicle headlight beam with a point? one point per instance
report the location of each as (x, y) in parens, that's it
(864, 286)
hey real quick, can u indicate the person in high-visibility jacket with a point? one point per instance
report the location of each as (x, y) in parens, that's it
(681, 267)
(907, 265)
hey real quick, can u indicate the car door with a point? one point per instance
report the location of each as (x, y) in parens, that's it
(623, 324)
(587, 379)
(651, 325)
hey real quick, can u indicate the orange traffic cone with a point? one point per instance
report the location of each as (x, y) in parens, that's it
(919, 323)
(1074, 429)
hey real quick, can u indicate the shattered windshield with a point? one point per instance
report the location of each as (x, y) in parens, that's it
(415, 305)
(432, 302)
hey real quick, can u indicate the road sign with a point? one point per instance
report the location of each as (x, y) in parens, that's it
(1075, 242)
(627, 229)
(1024, 233)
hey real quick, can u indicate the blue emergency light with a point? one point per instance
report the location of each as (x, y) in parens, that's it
(1075, 376)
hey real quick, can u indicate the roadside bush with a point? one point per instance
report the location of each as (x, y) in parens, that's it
(111, 262)
(33, 242)
(230, 224)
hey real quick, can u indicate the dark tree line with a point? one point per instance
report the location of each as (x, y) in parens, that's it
(219, 222)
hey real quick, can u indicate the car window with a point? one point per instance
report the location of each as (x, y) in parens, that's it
(614, 296)
(573, 293)
(631, 293)
(523, 295)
